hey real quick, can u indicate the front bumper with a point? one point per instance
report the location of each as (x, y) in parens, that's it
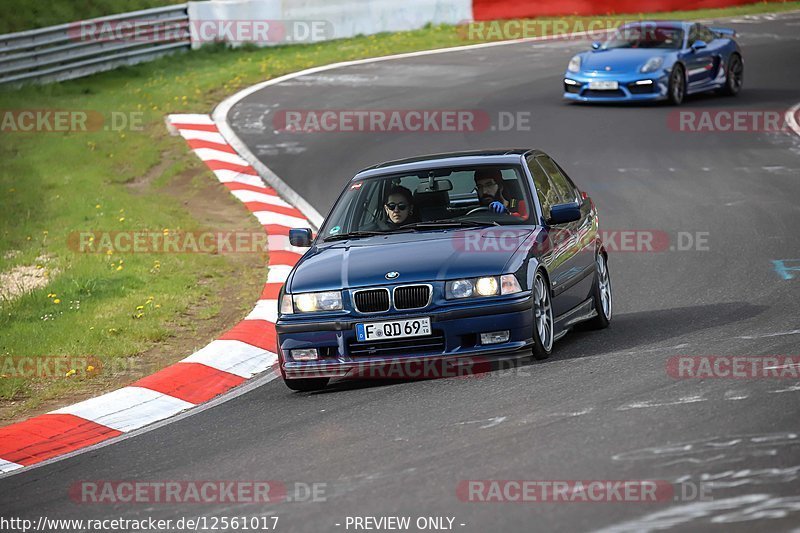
(458, 326)
(576, 87)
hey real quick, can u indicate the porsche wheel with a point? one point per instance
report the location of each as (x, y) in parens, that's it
(734, 76)
(677, 85)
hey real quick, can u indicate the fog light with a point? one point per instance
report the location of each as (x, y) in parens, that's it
(495, 337)
(309, 354)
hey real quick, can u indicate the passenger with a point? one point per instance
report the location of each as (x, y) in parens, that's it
(489, 185)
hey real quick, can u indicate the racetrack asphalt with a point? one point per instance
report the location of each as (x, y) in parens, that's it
(603, 406)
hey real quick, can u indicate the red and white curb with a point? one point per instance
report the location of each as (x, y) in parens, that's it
(249, 348)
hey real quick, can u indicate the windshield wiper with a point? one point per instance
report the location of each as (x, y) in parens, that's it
(452, 224)
(352, 235)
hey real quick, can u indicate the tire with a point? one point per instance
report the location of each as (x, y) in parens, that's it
(602, 295)
(306, 384)
(543, 325)
(677, 85)
(734, 76)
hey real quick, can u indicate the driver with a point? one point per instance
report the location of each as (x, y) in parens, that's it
(489, 185)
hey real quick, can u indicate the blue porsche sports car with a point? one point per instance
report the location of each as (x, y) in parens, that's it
(443, 258)
(646, 61)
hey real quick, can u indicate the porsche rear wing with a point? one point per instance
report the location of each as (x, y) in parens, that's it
(723, 33)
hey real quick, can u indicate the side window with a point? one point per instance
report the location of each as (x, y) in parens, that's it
(563, 191)
(693, 35)
(706, 34)
(542, 184)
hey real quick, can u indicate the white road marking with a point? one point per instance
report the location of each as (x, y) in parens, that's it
(8, 466)
(492, 422)
(127, 408)
(792, 388)
(734, 395)
(235, 357)
(264, 310)
(766, 335)
(652, 403)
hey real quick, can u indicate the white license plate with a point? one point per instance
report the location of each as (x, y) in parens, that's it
(604, 85)
(393, 329)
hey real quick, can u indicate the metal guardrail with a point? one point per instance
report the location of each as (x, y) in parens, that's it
(82, 48)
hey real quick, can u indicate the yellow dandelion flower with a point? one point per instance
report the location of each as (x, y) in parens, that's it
(71, 372)
(109, 252)
(119, 268)
(97, 206)
(122, 219)
(139, 307)
(158, 306)
(90, 368)
(57, 301)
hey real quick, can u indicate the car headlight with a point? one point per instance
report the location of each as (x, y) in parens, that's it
(654, 63)
(485, 286)
(574, 64)
(310, 302)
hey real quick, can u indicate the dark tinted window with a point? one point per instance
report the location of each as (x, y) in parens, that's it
(561, 190)
(705, 34)
(542, 184)
(645, 35)
(694, 33)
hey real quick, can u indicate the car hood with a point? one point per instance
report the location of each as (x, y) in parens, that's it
(620, 59)
(428, 256)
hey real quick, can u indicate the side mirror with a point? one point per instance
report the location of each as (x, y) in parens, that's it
(300, 237)
(564, 213)
(699, 45)
(596, 45)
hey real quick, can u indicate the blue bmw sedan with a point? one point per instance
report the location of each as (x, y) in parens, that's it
(646, 61)
(440, 259)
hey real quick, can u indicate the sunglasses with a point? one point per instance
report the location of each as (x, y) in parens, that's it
(392, 206)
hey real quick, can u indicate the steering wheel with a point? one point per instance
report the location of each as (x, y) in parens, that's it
(476, 209)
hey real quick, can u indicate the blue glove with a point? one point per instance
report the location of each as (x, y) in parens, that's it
(497, 207)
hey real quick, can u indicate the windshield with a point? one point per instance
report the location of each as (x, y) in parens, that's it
(646, 36)
(430, 199)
